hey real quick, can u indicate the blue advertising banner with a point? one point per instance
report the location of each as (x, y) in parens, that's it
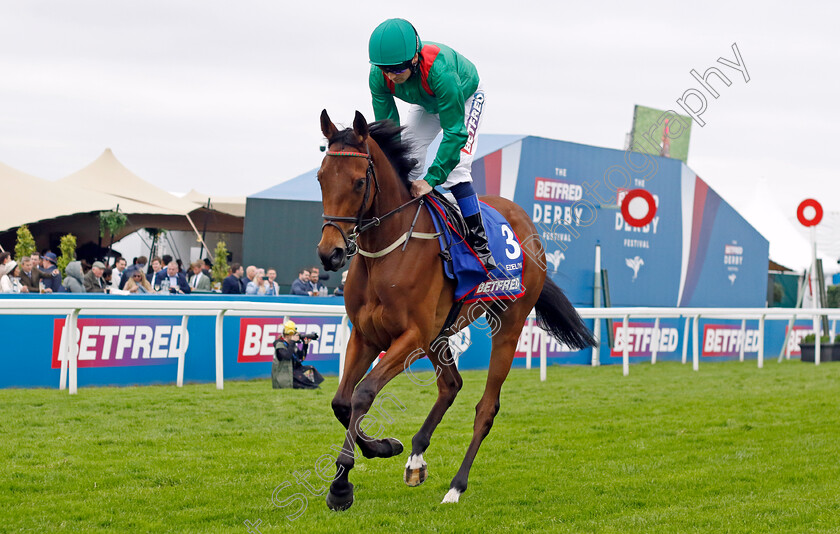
(696, 251)
(140, 350)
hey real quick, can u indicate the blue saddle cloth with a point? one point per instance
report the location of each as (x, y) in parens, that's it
(473, 282)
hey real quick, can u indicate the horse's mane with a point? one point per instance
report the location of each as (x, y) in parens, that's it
(387, 136)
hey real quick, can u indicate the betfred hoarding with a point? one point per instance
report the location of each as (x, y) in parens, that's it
(726, 340)
(257, 335)
(642, 338)
(553, 348)
(108, 342)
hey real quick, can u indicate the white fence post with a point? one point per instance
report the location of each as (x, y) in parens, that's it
(64, 355)
(183, 343)
(530, 333)
(695, 358)
(220, 352)
(74, 351)
(625, 355)
(685, 340)
(817, 343)
(743, 339)
(345, 338)
(656, 339)
(761, 342)
(543, 355)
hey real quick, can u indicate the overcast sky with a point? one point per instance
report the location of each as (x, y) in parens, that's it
(224, 97)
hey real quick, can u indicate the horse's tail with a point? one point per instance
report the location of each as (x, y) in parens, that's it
(557, 316)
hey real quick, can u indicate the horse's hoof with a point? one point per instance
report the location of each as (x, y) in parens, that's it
(339, 503)
(415, 470)
(396, 446)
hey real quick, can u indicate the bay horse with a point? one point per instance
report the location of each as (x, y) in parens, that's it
(399, 299)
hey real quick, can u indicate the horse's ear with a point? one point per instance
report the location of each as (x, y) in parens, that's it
(360, 126)
(327, 126)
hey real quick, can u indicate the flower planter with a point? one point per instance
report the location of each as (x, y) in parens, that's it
(829, 352)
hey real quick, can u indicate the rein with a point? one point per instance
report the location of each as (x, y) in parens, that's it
(363, 224)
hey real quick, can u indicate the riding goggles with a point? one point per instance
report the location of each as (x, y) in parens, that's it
(396, 69)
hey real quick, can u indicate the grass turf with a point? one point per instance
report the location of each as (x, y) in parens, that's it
(730, 448)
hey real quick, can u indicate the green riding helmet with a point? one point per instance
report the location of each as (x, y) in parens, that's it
(393, 42)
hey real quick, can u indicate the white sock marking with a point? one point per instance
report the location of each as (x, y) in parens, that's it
(451, 496)
(415, 462)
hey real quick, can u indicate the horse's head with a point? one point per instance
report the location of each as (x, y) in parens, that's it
(346, 177)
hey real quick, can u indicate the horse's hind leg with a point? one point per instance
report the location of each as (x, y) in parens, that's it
(504, 346)
(449, 383)
(358, 359)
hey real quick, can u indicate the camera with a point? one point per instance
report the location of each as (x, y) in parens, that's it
(312, 336)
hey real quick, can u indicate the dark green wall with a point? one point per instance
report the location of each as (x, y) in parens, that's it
(283, 234)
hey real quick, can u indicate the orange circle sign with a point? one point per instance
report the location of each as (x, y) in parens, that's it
(818, 212)
(625, 208)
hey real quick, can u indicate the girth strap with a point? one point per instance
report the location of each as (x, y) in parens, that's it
(402, 239)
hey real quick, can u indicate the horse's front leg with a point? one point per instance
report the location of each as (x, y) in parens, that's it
(449, 383)
(358, 358)
(340, 496)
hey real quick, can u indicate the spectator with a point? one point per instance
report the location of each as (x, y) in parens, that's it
(198, 280)
(165, 260)
(93, 279)
(301, 285)
(339, 291)
(117, 273)
(51, 274)
(156, 268)
(7, 268)
(257, 286)
(16, 286)
(315, 282)
(273, 288)
(180, 265)
(177, 280)
(29, 276)
(74, 281)
(208, 268)
(137, 283)
(249, 275)
(232, 285)
(138, 265)
(36, 261)
(107, 277)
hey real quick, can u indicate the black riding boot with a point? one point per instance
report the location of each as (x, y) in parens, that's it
(477, 239)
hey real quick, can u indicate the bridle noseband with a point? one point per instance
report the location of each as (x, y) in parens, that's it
(361, 224)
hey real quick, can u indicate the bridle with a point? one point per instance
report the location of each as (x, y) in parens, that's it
(362, 224)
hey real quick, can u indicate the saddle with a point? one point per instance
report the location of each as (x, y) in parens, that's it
(473, 281)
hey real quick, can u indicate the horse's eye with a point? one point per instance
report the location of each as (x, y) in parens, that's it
(359, 184)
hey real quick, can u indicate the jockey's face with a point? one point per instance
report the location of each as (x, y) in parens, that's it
(399, 78)
(403, 76)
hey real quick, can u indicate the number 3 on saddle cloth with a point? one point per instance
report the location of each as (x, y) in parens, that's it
(473, 282)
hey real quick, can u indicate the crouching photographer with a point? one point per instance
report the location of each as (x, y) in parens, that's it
(290, 350)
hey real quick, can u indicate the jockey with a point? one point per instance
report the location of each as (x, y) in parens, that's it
(444, 92)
